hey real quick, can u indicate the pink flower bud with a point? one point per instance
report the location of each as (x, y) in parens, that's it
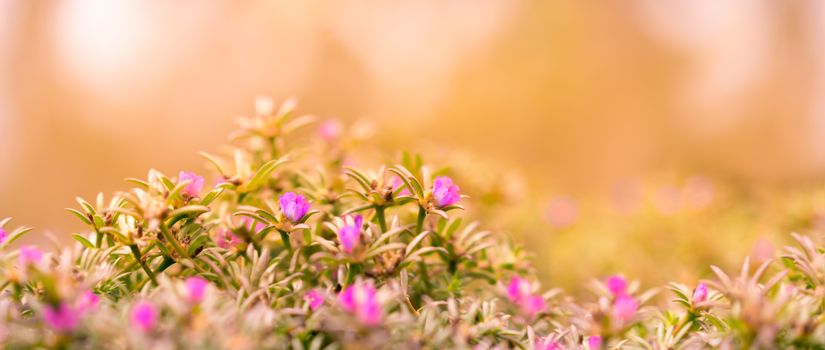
(617, 285)
(625, 307)
(361, 300)
(88, 301)
(594, 342)
(397, 183)
(445, 193)
(144, 316)
(195, 289)
(350, 235)
(29, 255)
(293, 206)
(700, 294)
(195, 185)
(252, 225)
(315, 298)
(225, 239)
(532, 305)
(547, 344)
(3, 235)
(330, 130)
(62, 318)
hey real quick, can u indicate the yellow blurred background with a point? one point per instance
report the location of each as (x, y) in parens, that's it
(647, 137)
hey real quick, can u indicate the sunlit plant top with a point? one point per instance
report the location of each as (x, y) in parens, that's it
(292, 247)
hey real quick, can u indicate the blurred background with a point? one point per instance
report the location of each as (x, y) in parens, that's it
(646, 137)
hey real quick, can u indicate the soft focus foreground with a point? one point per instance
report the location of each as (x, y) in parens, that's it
(288, 246)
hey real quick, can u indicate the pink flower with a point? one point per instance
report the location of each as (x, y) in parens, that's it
(195, 185)
(547, 344)
(88, 301)
(445, 193)
(315, 299)
(252, 225)
(3, 235)
(397, 183)
(700, 294)
(195, 289)
(594, 342)
(361, 300)
(617, 285)
(29, 255)
(62, 318)
(225, 239)
(330, 130)
(350, 234)
(294, 206)
(518, 289)
(144, 316)
(625, 307)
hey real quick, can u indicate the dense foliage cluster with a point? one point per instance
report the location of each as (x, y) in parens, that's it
(292, 247)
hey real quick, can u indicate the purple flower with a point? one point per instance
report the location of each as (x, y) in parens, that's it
(617, 285)
(195, 289)
(62, 318)
(144, 316)
(225, 239)
(330, 130)
(3, 235)
(350, 234)
(315, 298)
(625, 307)
(88, 301)
(195, 185)
(29, 255)
(594, 342)
(445, 193)
(294, 206)
(361, 300)
(700, 294)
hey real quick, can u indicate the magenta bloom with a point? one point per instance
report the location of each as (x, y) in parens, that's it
(144, 316)
(330, 130)
(532, 305)
(29, 255)
(194, 187)
(594, 342)
(445, 193)
(3, 235)
(350, 234)
(88, 301)
(315, 299)
(625, 307)
(617, 285)
(700, 294)
(225, 239)
(361, 300)
(518, 289)
(63, 318)
(294, 206)
(195, 289)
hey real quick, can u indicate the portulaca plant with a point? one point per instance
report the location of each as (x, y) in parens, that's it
(293, 247)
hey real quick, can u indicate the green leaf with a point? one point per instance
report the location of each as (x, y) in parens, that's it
(263, 173)
(80, 216)
(189, 210)
(214, 160)
(85, 242)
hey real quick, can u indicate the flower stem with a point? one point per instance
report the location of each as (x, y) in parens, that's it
(379, 214)
(136, 254)
(419, 224)
(285, 238)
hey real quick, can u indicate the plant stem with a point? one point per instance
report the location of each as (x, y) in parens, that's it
(285, 238)
(419, 224)
(136, 254)
(379, 214)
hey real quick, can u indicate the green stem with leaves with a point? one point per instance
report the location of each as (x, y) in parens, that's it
(139, 258)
